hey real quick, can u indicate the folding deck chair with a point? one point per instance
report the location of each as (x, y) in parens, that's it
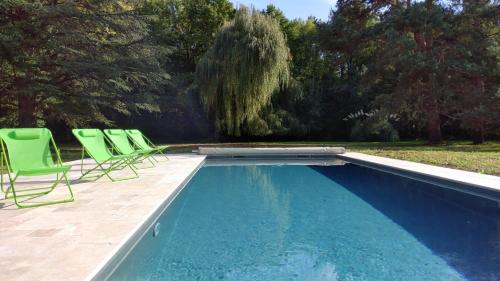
(26, 152)
(142, 142)
(120, 141)
(94, 144)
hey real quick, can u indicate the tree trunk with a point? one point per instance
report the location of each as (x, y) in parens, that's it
(478, 129)
(431, 109)
(478, 135)
(424, 41)
(26, 103)
(26, 111)
(433, 119)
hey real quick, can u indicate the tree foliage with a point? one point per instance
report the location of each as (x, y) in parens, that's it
(296, 109)
(238, 75)
(374, 70)
(423, 61)
(190, 26)
(75, 61)
(187, 28)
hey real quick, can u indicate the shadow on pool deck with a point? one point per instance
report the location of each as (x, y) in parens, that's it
(462, 229)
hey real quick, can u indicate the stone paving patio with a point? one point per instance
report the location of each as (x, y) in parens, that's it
(69, 241)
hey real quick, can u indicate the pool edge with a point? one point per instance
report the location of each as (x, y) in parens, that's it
(106, 268)
(421, 172)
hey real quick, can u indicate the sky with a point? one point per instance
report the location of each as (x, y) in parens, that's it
(294, 8)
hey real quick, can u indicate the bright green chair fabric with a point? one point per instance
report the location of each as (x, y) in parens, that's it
(122, 144)
(142, 142)
(94, 144)
(26, 152)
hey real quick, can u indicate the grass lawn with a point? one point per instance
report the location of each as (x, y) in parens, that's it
(483, 158)
(462, 155)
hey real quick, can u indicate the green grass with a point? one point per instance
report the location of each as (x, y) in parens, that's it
(484, 158)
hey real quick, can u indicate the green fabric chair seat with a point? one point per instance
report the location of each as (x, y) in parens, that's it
(27, 152)
(45, 171)
(122, 157)
(94, 143)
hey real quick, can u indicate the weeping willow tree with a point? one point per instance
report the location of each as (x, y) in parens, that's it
(237, 76)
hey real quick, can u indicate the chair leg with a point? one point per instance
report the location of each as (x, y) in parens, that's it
(1, 177)
(21, 193)
(88, 172)
(128, 163)
(2, 156)
(151, 156)
(58, 180)
(143, 158)
(113, 166)
(163, 154)
(154, 158)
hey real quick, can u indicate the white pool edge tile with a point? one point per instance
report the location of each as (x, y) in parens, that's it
(478, 180)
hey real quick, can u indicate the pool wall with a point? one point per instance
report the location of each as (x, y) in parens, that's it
(107, 267)
(482, 185)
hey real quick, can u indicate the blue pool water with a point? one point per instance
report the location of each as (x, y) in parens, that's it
(318, 223)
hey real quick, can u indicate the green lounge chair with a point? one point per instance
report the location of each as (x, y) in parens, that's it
(142, 142)
(120, 141)
(26, 152)
(95, 145)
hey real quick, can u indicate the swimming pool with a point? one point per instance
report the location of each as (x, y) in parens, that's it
(316, 222)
